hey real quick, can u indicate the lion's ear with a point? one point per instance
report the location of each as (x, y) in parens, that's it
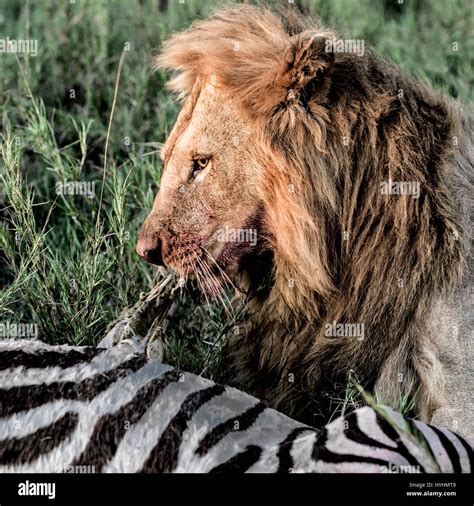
(308, 63)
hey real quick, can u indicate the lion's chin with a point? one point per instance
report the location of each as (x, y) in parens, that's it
(210, 276)
(212, 272)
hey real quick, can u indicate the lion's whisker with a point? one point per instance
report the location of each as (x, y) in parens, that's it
(219, 292)
(215, 288)
(221, 270)
(200, 280)
(206, 278)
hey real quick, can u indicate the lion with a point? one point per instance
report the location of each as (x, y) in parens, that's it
(330, 189)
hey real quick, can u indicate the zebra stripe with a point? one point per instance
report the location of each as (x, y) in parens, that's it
(26, 449)
(450, 450)
(46, 358)
(285, 459)
(240, 462)
(243, 422)
(401, 446)
(101, 363)
(12, 400)
(132, 412)
(114, 410)
(468, 454)
(148, 430)
(164, 456)
(336, 437)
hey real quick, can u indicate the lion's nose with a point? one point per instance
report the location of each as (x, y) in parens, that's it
(152, 254)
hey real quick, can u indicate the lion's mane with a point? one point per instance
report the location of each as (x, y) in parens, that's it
(330, 128)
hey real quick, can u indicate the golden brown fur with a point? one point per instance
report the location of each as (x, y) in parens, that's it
(326, 130)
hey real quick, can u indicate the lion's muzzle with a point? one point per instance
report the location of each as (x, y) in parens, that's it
(150, 249)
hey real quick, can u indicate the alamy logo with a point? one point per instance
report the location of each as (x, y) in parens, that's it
(71, 469)
(35, 489)
(336, 329)
(237, 235)
(18, 46)
(396, 469)
(356, 46)
(411, 188)
(86, 188)
(15, 330)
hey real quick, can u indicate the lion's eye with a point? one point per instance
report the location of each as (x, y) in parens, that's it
(199, 164)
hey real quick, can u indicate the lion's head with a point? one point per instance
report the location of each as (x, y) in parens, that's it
(283, 133)
(227, 190)
(207, 212)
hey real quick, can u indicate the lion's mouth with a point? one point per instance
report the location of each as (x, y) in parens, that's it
(212, 271)
(216, 258)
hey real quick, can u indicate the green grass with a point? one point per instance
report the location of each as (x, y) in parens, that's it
(68, 263)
